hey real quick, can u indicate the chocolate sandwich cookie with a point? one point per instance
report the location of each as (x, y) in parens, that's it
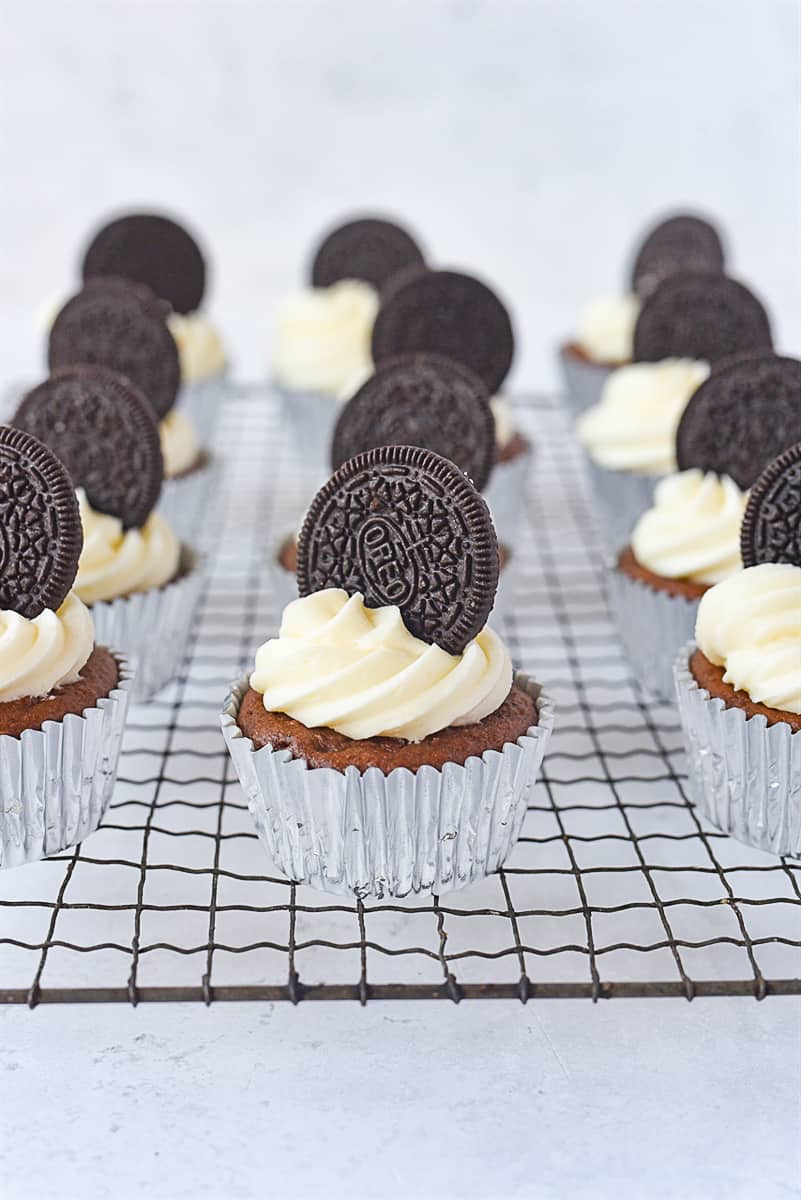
(700, 315)
(370, 249)
(40, 526)
(742, 417)
(113, 328)
(405, 527)
(104, 432)
(421, 400)
(681, 243)
(153, 250)
(447, 313)
(771, 529)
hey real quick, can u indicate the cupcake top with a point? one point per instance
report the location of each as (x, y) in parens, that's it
(692, 531)
(104, 432)
(46, 632)
(397, 570)
(633, 426)
(201, 351)
(606, 328)
(180, 447)
(324, 330)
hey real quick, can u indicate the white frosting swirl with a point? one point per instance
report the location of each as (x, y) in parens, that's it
(200, 348)
(504, 421)
(606, 330)
(339, 664)
(41, 654)
(751, 625)
(633, 426)
(116, 562)
(179, 445)
(693, 529)
(323, 342)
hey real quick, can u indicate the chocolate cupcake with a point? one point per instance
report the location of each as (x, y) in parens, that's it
(139, 581)
(605, 337)
(63, 699)
(118, 324)
(739, 685)
(383, 740)
(322, 344)
(157, 252)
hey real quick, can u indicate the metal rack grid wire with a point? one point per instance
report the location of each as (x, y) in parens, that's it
(618, 887)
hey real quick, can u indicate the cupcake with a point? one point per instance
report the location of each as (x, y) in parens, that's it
(322, 346)
(690, 322)
(422, 400)
(140, 583)
(63, 699)
(155, 251)
(459, 317)
(690, 538)
(605, 337)
(120, 325)
(383, 740)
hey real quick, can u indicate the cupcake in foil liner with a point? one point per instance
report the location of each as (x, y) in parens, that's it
(369, 834)
(622, 497)
(651, 624)
(152, 627)
(584, 381)
(202, 401)
(185, 498)
(56, 781)
(506, 495)
(743, 774)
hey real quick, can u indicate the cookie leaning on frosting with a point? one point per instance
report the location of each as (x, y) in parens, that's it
(62, 698)
(139, 580)
(385, 693)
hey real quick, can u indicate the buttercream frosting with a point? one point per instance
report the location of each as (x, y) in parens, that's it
(200, 348)
(693, 529)
(117, 562)
(750, 624)
(179, 445)
(633, 426)
(358, 670)
(40, 654)
(323, 338)
(606, 329)
(504, 421)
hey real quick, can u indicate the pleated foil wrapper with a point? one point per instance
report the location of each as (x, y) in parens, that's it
(584, 382)
(369, 834)
(152, 627)
(506, 495)
(202, 401)
(56, 782)
(621, 497)
(310, 418)
(184, 501)
(744, 775)
(652, 625)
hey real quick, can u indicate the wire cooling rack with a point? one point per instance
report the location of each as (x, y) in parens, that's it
(617, 886)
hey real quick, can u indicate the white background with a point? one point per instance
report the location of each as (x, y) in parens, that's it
(527, 141)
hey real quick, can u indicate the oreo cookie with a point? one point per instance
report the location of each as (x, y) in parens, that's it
(369, 249)
(745, 414)
(104, 432)
(404, 526)
(112, 327)
(40, 526)
(681, 243)
(771, 529)
(421, 400)
(700, 315)
(153, 250)
(448, 313)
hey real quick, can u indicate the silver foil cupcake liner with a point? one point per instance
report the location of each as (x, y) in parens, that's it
(622, 497)
(56, 782)
(506, 495)
(652, 625)
(584, 381)
(185, 499)
(743, 774)
(202, 402)
(152, 627)
(310, 419)
(370, 834)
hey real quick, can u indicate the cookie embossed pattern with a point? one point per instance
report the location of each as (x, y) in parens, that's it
(617, 886)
